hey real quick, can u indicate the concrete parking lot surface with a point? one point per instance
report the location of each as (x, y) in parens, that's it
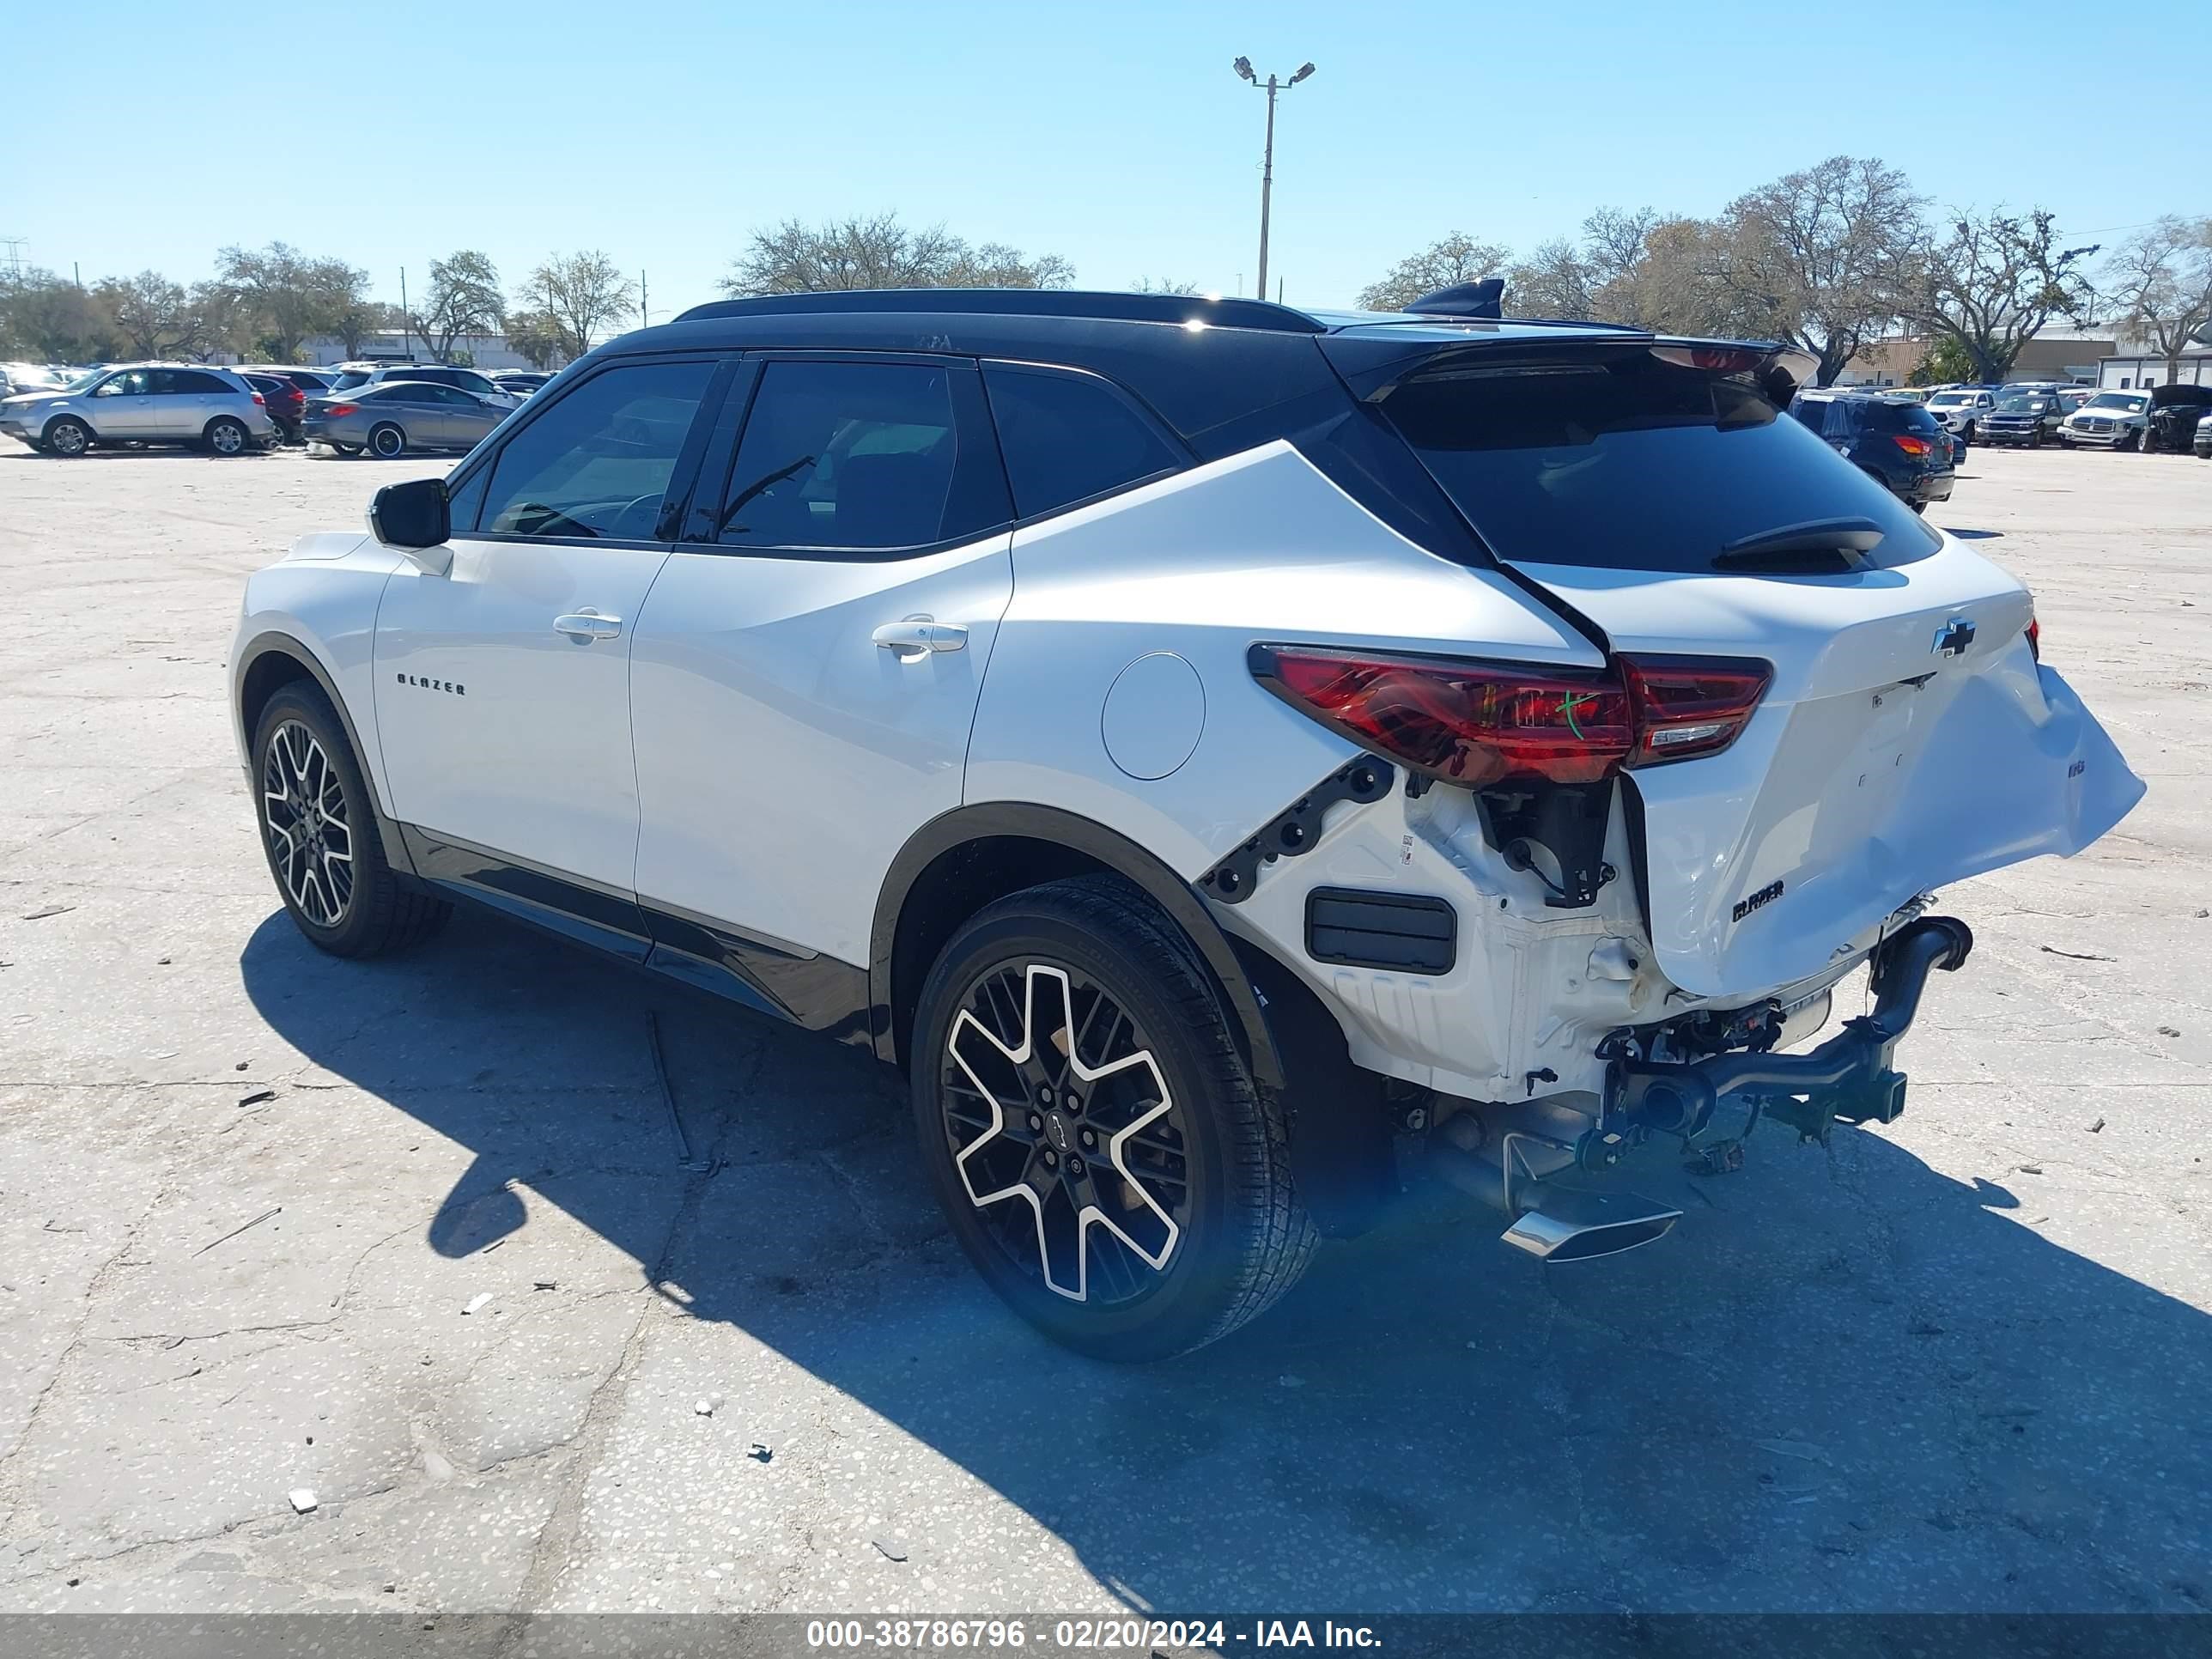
(1960, 1362)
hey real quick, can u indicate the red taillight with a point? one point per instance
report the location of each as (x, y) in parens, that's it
(2035, 639)
(261, 400)
(1915, 447)
(1476, 724)
(1691, 706)
(340, 409)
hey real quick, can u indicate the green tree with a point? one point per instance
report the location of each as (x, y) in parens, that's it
(1944, 363)
(464, 299)
(46, 319)
(880, 253)
(282, 296)
(532, 335)
(1452, 259)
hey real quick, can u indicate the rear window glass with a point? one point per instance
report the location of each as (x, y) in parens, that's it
(1069, 437)
(1618, 458)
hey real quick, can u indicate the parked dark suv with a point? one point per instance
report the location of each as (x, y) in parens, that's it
(1895, 438)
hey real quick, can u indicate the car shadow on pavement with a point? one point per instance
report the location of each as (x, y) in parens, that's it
(1846, 1382)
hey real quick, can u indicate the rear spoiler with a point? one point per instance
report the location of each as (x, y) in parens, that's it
(1373, 365)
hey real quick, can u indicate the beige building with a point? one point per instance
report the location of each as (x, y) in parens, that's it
(2056, 353)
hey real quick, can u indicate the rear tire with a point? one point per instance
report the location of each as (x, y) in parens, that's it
(347, 450)
(320, 835)
(387, 442)
(226, 437)
(1092, 1130)
(67, 437)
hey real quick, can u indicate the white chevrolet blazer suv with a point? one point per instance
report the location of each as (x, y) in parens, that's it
(1210, 748)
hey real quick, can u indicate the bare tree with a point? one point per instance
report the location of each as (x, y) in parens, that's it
(577, 297)
(1454, 259)
(880, 253)
(155, 317)
(1826, 254)
(1994, 281)
(2160, 281)
(1553, 281)
(1162, 285)
(464, 298)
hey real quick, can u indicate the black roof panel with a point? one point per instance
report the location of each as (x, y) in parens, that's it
(1021, 302)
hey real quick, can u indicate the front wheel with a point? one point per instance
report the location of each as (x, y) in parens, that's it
(1092, 1131)
(319, 831)
(388, 442)
(68, 437)
(225, 437)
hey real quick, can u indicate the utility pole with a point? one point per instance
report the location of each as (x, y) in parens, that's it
(1273, 86)
(406, 328)
(644, 316)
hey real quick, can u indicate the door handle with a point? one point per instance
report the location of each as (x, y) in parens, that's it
(916, 637)
(587, 625)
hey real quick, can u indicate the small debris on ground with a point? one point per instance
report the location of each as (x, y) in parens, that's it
(303, 1500)
(2028, 1169)
(163, 963)
(478, 1303)
(2097, 1128)
(276, 1209)
(2076, 956)
(544, 1284)
(708, 1405)
(241, 1065)
(257, 1098)
(2167, 1030)
(891, 1548)
(760, 1453)
(50, 910)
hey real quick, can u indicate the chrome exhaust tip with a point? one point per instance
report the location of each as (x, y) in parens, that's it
(1567, 1224)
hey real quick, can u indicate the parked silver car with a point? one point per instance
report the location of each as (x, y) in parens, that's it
(478, 385)
(143, 402)
(393, 416)
(16, 378)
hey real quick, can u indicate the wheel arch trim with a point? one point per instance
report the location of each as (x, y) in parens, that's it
(990, 820)
(274, 643)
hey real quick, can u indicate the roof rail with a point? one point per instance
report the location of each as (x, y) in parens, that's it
(1021, 302)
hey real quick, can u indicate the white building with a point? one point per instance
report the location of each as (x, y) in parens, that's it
(393, 345)
(2192, 368)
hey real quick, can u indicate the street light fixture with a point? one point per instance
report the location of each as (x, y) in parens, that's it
(1271, 87)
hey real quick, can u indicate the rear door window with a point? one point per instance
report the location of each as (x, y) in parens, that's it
(854, 456)
(596, 463)
(1068, 436)
(1611, 455)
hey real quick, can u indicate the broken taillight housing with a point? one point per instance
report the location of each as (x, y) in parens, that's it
(1480, 723)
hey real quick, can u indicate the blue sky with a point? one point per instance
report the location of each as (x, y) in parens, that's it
(1116, 136)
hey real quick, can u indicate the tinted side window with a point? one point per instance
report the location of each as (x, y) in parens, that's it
(844, 455)
(598, 461)
(1814, 412)
(1069, 437)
